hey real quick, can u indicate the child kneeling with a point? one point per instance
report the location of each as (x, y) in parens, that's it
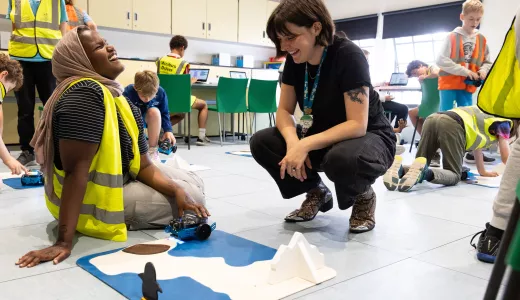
(152, 101)
(454, 132)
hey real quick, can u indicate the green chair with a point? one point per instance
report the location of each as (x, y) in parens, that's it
(178, 91)
(261, 98)
(231, 99)
(430, 101)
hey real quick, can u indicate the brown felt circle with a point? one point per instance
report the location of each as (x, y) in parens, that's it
(147, 249)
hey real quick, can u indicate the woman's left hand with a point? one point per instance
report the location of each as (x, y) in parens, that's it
(295, 160)
(169, 136)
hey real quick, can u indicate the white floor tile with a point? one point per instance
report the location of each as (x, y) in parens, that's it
(232, 185)
(458, 256)
(16, 242)
(72, 283)
(407, 280)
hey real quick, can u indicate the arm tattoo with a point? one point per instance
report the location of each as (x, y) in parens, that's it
(354, 95)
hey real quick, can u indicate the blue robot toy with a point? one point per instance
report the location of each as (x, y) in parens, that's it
(33, 178)
(190, 227)
(165, 147)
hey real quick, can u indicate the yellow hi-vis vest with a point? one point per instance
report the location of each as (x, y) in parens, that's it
(171, 65)
(35, 34)
(102, 212)
(476, 125)
(2, 91)
(500, 94)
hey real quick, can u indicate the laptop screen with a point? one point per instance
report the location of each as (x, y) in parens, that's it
(399, 79)
(237, 74)
(200, 74)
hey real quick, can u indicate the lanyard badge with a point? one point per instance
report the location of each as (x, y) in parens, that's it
(307, 120)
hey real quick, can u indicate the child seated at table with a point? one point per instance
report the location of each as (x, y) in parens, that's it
(152, 101)
(174, 64)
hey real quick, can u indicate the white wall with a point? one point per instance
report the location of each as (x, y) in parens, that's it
(143, 45)
(497, 19)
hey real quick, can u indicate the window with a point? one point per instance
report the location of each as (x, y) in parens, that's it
(420, 47)
(368, 45)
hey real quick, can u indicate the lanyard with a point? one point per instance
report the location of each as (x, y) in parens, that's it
(307, 101)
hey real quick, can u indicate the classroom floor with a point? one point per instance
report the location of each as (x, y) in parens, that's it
(418, 250)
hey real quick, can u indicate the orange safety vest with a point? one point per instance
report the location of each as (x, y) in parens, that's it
(73, 12)
(449, 81)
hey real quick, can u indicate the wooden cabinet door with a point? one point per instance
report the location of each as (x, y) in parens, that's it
(83, 4)
(271, 6)
(153, 16)
(251, 21)
(189, 18)
(222, 18)
(113, 13)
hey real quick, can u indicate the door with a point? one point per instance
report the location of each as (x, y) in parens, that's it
(113, 13)
(251, 21)
(271, 6)
(222, 18)
(82, 4)
(153, 16)
(189, 18)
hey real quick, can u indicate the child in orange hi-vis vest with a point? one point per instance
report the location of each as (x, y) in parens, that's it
(465, 55)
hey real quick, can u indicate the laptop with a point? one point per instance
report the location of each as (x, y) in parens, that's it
(237, 74)
(201, 75)
(398, 79)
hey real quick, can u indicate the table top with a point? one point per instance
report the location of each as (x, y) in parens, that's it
(204, 85)
(398, 88)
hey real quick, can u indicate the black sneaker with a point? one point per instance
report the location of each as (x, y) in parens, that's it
(470, 159)
(26, 158)
(487, 246)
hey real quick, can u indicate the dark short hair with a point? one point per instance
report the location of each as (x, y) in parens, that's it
(303, 13)
(178, 42)
(413, 65)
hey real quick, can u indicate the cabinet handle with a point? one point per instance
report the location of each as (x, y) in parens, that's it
(128, 15)
(209, 26)
(264, 34)
(135, 16)
(203, 26)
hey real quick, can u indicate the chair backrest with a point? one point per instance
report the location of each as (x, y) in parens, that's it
(178, 91)
(231, 95)
(261, 96)
(430, 101)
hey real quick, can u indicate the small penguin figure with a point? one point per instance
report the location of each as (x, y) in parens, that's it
(151, 288)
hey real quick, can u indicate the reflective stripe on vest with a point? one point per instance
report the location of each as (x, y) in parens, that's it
(449, 81)
(35, 34)
(102, 211)
(75, 16)
(171, 66)
(500, 92)
(476, 126)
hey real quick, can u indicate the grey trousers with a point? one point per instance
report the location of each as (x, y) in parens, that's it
(506, 197)
(145, 208)
(442, 131)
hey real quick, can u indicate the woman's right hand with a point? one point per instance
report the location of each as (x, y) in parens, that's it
(57, 253)
(489, 174)
(186, 202)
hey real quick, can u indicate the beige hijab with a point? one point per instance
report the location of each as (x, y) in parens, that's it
(69, 63)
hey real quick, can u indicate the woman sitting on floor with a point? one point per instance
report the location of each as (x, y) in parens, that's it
(454, 132)
(343, 132)
(90, 142)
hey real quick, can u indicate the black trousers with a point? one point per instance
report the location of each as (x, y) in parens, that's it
(396, 109)
(353, 165)
(35, 75)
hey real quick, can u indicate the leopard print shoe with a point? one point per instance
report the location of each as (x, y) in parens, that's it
(318, 199)
(363, 213)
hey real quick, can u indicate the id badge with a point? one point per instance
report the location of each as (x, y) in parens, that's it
(306, 123)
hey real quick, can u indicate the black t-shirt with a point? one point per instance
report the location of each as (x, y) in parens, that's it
(80, 115)
(345, 68)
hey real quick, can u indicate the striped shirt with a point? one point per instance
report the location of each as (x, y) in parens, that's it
(79, 115)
